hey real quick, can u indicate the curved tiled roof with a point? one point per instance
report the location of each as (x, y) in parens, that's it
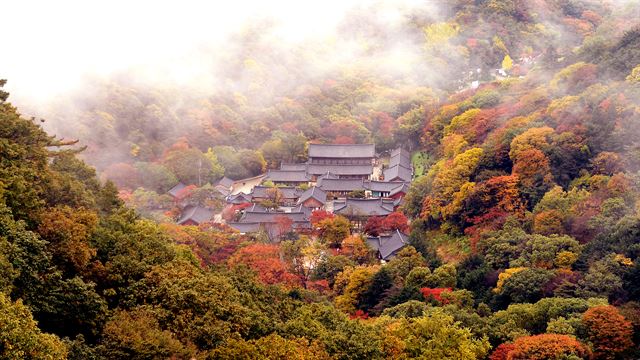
(400, 152)
(245, 227)
(363, 207)
(341, 184)
(287, 176)
(342, 150)
(272, 217)
(239, 198)
(272, 231)
(388, 245)
(196, 214)
(176, 189)
(398, 172)
(383, 186)
(226, 182)
(293, 167)
(321, 169)
(313, 193)
(400, 160)
(404, 188)
(287, 192)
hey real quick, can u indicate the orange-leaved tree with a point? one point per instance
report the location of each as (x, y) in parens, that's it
(68, 232)
(396, 221)
(319, 215)
(265, 260)
(608, 330)
(548, 346)
(356, 249)
(374, 226)
(501, 352)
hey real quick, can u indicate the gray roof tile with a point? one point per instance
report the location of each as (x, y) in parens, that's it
(388, 245)
(272, 216)
(287, 192)
(400, 160)
(398, 172)
(321, 169)
(293, 167)
(400, 157)
(307, 211)
(196, 214)
(176, 189)
(400, 152)
(330, 185)
(257, 208)
(342, 150)
(363, 207)
(226, 182)
(404, 188)
(328, 175)
(239, 198)
(315, 193)
(383, 186)
(287, 176)
(245, 227)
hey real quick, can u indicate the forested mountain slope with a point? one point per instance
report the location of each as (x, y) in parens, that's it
(524, 228)
(373, 81)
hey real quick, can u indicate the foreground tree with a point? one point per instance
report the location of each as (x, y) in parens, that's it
(68, 230)
(396, 221)
(355, 248)
(351, 285)
(334, 230)
(265, 260)
(20, 337)
(548, 346)
(272, 347)
(374, 226)
(437, 336)
(609, 331)
(137, 334)
(23, 162)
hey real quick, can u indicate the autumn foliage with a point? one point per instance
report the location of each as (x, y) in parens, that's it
(609, 331)
(359, 314)
(395, 221)
(68, 232)
(209, 243)
(502, 351)
(318, 215)
(230, 212)
(547, 346)
(374, 226)
(265, 260)
(435, 293)
(524, 200)
(377, 225)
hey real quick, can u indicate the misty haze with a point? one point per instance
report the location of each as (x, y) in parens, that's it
(320, 180)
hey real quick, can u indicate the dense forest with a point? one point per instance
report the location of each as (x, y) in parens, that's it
(524, 121)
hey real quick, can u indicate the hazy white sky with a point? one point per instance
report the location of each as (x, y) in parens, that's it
(51, 45)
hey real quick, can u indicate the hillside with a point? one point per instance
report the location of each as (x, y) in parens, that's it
(518, 236)
(267, 100)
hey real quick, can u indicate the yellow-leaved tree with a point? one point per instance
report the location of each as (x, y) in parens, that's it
(507, 63)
